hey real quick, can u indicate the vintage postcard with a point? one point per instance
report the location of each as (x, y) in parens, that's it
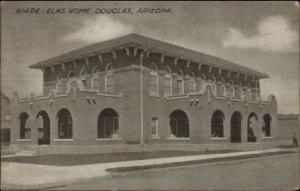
(166, 95)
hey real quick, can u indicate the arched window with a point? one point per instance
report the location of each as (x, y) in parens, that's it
(247, 92)
(220, 89)
(237, 92)
(71, 74)
(109, 79)
(179, 123)
(61, 86)
(167, 85)
(231, 92)
(192, 84)
(108, 123)
(83, 78)
(199, 84)
(267, 125)
(180, 83)
(252, 127)
(217, 124)
(44, 128)
(95, 79)
(65, 124)
(153, 82)
(253, 93)
(24, 128)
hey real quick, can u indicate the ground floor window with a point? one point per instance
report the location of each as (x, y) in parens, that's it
(154, 126)
(65, 124)
(25, 130)
(108, 123)
(217, 124)
(179, 124)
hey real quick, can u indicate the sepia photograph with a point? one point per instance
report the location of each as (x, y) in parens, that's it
(150, 95)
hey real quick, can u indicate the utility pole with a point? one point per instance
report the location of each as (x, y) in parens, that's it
(141, 99)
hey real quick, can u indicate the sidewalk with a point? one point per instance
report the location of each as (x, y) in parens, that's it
(32, 176)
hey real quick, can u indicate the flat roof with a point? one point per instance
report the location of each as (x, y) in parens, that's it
(136, 40)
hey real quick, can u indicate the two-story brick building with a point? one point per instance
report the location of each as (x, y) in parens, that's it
(137, 90)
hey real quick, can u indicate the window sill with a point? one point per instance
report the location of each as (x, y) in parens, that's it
(63, 140)
(153, 137)
(24, 140)
(109, 139)
(269, 137)
(178, 138)
(218, 138)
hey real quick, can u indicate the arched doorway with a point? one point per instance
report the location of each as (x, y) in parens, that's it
(217, 124)
(267, 125)
(44, 128)
(24, 129)
(252, 127)
(65, 124)
(235, 130)
(108, 124)
(179, 123)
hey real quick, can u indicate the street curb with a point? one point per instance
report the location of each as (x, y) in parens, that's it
(117, 174)
(192, 162)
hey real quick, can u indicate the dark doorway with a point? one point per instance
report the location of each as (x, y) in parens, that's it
(108, 123)
(44, 128)
(217, 124)
(236, 124)
(179, 123)
(65, 124)
(267, 125)
(25, 131)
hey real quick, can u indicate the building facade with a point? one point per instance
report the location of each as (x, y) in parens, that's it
(5, 119)
(137, 90)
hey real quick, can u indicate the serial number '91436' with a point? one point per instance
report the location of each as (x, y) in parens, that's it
(29, 10)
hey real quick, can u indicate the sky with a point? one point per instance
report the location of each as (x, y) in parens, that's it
(260, 35)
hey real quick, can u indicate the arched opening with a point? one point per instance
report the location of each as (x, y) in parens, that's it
(24, 129)
(179, 123)
(217, 124)
(108, 123)
(236, 124)
(252, 126)
(44, 128)
(267, 125)
(71, 74)
(65, 124)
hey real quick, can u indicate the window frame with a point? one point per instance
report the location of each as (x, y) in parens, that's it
(154, 125)
(156, 84)
(182, 86)
(171, 85)
(107, 75)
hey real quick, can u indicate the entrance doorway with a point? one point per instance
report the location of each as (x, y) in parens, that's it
(236, 124)
(44, 128)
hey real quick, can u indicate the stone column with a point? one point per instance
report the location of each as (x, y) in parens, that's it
(244, 128)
